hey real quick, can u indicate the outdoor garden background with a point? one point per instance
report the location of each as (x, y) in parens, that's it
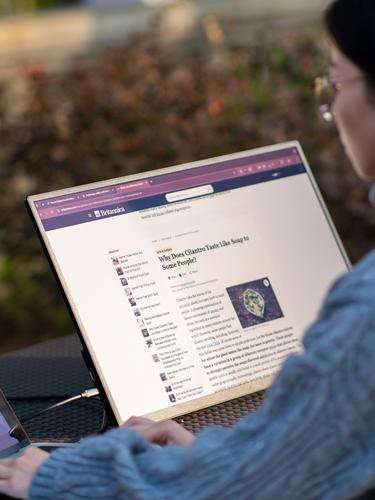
(145, 104)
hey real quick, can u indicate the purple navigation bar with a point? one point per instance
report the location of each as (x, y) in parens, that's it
(167, 183)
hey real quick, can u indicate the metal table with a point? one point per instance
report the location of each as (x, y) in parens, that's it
(56, 368)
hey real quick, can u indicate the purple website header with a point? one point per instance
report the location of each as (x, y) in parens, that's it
(166, 183)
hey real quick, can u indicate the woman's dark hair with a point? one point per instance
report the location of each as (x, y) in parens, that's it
(351, 25)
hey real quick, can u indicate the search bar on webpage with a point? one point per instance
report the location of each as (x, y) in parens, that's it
(189, 193)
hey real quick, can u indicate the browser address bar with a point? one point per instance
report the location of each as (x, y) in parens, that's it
(189, 193)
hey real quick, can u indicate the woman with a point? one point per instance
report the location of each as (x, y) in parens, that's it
(315, 436)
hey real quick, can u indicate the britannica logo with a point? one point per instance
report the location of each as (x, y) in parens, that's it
(113, 211)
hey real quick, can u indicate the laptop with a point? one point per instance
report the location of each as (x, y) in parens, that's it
(13, 438)
(190, 285)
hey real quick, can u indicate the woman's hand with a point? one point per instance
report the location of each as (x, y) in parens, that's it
(163, 433)
(17, 474)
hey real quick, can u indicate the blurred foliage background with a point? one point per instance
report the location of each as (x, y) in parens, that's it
(143, 105)
(11, 7)
(21, 6)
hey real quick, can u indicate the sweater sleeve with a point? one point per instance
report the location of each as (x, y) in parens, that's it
(314, 438)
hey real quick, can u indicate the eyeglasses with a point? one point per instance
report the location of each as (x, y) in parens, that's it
(325, 91)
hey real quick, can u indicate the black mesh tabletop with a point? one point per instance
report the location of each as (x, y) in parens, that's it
(56, 368)
(225, 414)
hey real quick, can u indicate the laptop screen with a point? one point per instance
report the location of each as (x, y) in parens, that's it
(190, 285)
(12, 435)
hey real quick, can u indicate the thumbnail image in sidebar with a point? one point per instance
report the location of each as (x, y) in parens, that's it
(255, 302)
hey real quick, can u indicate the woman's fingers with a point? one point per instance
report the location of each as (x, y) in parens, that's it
(163, 433)
(5, 470)
(17, 474)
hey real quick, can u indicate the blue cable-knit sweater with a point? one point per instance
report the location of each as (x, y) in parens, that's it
(314, 438)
